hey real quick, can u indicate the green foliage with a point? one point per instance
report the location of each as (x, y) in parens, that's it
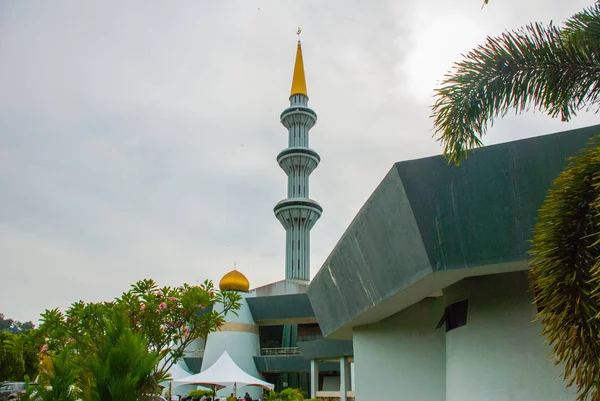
(12, 365)
(288, 394)
(122, 368)
(291, 394)
(59, 381)
(28, 344)
(271, 396)
(566, 270)
(169, 317)
(539, 66)
(201, 393)
(14, 326)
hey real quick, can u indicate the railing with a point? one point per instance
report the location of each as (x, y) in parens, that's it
(279, 351)
(197, 353)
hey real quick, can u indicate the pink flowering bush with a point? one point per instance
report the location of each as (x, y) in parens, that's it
(186, 313)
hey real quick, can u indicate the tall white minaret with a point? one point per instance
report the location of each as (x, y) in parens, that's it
(298, 213)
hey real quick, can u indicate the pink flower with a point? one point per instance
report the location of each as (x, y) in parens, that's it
(162, 306)
(44, 348)
(159, 293)
(143, 307)
(186, 330)
(69, 341)
(173, 299)
(202, 307)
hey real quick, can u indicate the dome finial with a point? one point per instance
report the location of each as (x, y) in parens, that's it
(299, 81)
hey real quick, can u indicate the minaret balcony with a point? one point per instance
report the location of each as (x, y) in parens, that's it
(298, 115)
(298, 211)
(298, 158)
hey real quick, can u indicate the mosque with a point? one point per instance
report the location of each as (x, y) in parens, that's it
(265, 338)
(424, 298)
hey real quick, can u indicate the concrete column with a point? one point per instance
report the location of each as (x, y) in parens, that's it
(344, 377)
(314, 378)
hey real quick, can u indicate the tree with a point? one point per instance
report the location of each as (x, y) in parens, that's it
(14, 326)
(27, 344)
(12, 366)
(557, 71)
(58, 380)
(554, 70)
(170, 318)
(122, 367)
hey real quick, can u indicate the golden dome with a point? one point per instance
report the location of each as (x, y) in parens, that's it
(234, 280)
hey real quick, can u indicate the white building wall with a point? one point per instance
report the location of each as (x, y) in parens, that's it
(402, 358)
(240, 343)
(499, 354)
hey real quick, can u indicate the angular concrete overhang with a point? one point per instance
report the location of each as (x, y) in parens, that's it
(281, 309)
(429, 224)
(326, 349)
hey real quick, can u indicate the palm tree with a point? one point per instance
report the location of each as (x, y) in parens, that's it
(58, 378)
(555, 70)
(122, 369)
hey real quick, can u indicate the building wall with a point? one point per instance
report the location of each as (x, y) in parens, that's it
(402, 357)
(239, 337)
(499, 354)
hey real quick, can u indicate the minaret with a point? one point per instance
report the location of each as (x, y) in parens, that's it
(298, 214)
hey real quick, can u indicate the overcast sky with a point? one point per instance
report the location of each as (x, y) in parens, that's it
(138, 139)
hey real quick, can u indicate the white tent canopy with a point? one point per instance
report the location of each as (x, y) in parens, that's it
(224, 373)
(177, 372)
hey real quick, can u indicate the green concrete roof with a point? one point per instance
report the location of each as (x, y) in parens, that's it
(326, 349)
(281, 309)
(429, 224)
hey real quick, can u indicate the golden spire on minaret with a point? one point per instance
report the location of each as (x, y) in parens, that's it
(299, 82)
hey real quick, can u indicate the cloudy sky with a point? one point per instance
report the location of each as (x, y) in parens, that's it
(138, 139)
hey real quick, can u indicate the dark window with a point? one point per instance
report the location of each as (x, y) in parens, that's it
(455, 315)
(270, 336)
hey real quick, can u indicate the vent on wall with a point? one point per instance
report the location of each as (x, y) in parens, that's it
(455, 315)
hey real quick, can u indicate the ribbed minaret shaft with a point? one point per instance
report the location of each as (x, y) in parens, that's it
(298, 214)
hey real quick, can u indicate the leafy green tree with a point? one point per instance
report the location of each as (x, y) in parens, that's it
(170, 318)
(14, 325)
(28, 344)
(557, 71)
(12, 366)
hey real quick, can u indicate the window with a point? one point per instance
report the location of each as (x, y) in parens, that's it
(455, 315)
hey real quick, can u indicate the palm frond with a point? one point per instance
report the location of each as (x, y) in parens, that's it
(537, 66)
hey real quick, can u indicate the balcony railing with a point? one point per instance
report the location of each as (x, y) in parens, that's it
(197, 353)
(279, 351)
